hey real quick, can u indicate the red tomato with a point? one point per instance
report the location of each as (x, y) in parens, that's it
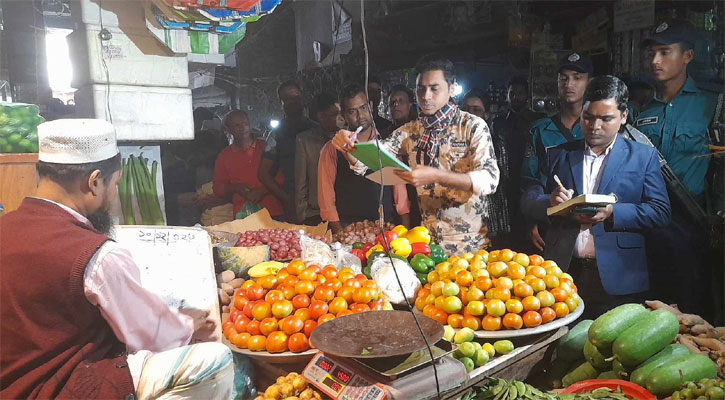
(362, 295)
(256, 343)
(353, 283)
(317, 309)
(273, 295)
(298, 343)
(310, 326)
(532, 319)
(337, 304)
(289, 292)
(240, 325)
(234, 314)
(247, 311)
(292, 325)
(256, 292)
(303, 314)
(277, 342)
(324, 294)
(343, 313)
(326, 317)
(377, 305)
(253, 327)
(547, 314)
(305, 287)
(301, 301)
(359, 307)
(329, 272)
(261, 310)
(308, 275)
(240, 302)
(228, 324)
(346, 293)
(241, 340)
(440, 316)
(282, 308)
(267, 326)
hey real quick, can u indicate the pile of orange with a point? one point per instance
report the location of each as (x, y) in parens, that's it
(277, 313)
(497, 290)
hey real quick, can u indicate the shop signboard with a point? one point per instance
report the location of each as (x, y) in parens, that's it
(633, 14)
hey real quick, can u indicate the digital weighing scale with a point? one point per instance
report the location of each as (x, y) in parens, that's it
(359, 360)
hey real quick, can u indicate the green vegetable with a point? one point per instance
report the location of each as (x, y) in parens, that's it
(608, 375)
(144, 189)
(558, 369)
(646, 337)
(583, 372)
(421, 264)
(596, 359)
(669, 377)
(423, 278)
(622, 371)
(358, 245)
(437, 254)
(666, 355)
(605, 329)
(124, 194)
(571, 345)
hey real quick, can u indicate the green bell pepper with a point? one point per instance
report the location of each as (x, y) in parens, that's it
(423, 278)
(437, 254)
(421, 264)
(358, 245)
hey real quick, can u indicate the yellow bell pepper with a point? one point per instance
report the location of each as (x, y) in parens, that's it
(377, 247)
(401, 247)
(400, 230)
(419, 234)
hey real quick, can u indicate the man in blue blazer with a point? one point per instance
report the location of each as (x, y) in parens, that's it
(605, 252)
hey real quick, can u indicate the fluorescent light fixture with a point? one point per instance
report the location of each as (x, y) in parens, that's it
(273, 123)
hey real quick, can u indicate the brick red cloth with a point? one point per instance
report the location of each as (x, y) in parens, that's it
(55, 344)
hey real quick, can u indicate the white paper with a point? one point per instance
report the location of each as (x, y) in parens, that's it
(388, 177)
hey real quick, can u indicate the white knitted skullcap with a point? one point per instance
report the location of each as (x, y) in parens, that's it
(76, 141)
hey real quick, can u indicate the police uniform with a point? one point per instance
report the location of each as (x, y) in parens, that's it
(679, 130)
(545, 134)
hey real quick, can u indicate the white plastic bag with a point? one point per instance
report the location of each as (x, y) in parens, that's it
(315, 251)
(384, 275)
(344, 258)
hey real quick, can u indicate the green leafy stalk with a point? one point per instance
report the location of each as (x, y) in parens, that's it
(149, 193)
(139, 190)
(124, 194)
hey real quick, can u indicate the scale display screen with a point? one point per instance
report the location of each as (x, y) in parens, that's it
(329, 382)
(341, 374)
(324, 363)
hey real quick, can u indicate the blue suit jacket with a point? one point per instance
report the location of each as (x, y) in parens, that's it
(632, 172)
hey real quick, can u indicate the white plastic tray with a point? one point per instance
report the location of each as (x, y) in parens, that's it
(547, 327)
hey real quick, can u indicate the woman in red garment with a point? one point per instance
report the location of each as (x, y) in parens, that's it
(235, 172)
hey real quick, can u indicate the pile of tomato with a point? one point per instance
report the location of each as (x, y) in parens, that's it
(277, 313)
(497, 290)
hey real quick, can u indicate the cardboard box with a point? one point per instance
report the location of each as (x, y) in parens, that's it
(262, 220)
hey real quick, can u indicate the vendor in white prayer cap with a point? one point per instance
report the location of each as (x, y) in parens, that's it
(76, 321)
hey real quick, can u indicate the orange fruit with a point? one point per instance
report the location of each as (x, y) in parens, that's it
(561, 309)
(522, 290)
(256, 342)
(295, 267)
(472, 322)
(506, 255)
(464, 278)
(532, 319)
(512, 321)
(483, 283)
(514, 306)
(560, 294)
(531, 303)
(547, 314)
(455, 321)
(491, 323)
(516, 271)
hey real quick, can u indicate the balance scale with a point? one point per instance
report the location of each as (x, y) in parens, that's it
(391, 371)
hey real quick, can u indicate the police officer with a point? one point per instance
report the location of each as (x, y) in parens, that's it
(573, 74)
(676, 121)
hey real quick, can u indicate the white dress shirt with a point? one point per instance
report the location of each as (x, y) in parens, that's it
(592, 175)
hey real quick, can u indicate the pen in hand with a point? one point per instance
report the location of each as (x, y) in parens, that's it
(558, 182)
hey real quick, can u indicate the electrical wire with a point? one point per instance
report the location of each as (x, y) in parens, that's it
(109, 116)
(381, 212)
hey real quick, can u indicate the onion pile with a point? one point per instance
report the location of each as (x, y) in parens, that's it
(364, 231)
(284, 244)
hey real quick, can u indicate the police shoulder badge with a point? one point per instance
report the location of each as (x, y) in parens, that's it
(663, 27)
(574, 57)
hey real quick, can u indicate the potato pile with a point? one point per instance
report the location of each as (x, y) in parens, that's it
(364, 231)
(290, 387)
(698, 335)
(227, 282)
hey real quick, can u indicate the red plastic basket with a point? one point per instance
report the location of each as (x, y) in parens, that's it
(630, 389)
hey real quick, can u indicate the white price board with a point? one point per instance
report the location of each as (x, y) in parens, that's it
(177, 264)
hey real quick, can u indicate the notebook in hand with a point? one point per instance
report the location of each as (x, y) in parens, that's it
(597, 200)
(367, 153)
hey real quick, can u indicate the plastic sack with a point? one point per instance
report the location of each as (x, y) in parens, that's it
(243, 377)
(344, 258)
(19, 127)
(248, 209)
(315, 251)
(384, 275)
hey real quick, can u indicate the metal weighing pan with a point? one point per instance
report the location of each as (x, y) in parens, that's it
(375, 334)
(395, 367)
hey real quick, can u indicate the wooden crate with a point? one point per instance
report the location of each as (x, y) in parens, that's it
(18, 179)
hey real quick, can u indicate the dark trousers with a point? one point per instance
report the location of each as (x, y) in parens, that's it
(596, 300)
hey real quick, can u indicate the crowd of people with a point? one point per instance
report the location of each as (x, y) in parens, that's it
(479, 180)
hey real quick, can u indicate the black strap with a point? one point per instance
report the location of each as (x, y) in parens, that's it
(556, 119)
